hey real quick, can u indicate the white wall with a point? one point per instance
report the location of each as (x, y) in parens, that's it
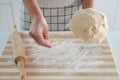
(112, 10)
(110, 7)
(6, 15)
(117, 17)
(9, 14)
(16, 12)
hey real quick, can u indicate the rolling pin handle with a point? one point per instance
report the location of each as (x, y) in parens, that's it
(22, 69)
(14, 28)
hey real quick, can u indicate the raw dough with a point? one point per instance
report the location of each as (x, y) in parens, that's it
(89, 24)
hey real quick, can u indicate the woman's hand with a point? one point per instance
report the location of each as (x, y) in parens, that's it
(39, 27)
(39, 31)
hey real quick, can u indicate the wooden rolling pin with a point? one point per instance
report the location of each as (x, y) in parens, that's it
(18, 52)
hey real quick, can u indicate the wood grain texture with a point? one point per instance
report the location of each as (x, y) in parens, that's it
(106, 71)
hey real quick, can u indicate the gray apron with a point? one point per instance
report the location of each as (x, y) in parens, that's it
(57, 16)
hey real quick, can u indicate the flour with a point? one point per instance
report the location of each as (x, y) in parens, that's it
(66, 51)
(66, 54)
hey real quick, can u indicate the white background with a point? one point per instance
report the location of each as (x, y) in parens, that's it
(10, 13)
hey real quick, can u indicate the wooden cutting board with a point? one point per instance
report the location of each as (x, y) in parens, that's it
(104, 70)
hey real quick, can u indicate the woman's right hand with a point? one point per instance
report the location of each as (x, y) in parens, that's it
(39, 31)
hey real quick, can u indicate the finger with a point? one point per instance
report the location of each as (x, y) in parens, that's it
(39, 39)
(44, 41)
(48, 43)
(47, 39)
(46, 35)
(34, 37)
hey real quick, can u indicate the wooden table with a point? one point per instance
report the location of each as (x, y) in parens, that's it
(104, 71)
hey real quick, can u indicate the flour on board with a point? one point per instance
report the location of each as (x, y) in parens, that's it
(67, 54)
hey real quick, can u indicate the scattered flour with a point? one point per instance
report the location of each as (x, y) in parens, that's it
(68, 54)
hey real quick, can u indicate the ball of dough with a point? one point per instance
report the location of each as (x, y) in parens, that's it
(89, 24)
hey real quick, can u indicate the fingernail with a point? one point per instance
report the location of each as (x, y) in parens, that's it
(49, 44)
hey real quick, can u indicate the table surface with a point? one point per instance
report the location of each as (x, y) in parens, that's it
(112, 36)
